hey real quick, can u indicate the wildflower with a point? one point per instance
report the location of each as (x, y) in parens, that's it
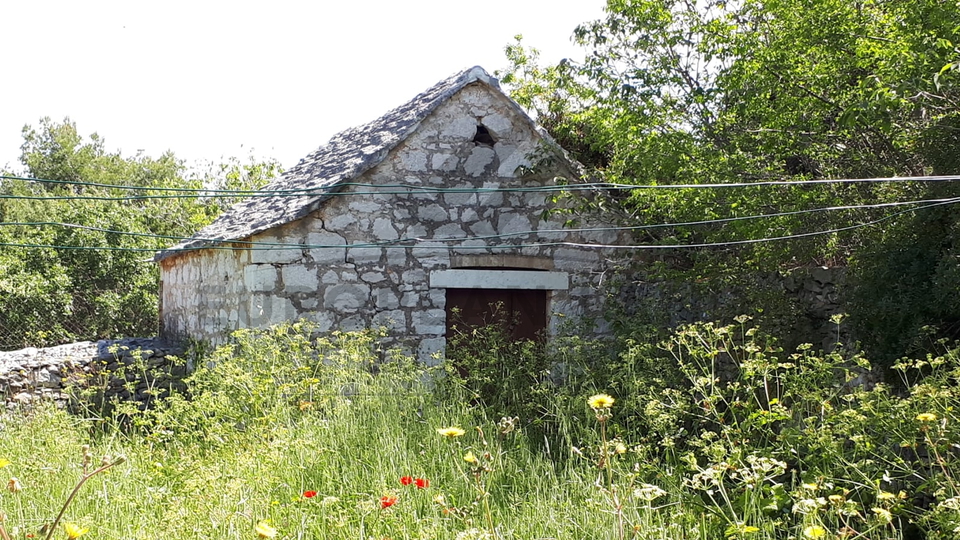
(440, 499)
(451, 432)
(4, 462)
(422, 483)
(648, 492)
(814, 532)
(886, 496)
(471, 459)
(620, 448)
(807, 506)
(740, 529)
(327, 501)
(74, 531)
(406, 480)
(882, 514)
(264, 530)
(387, 501)
(600, 401)
(927, 417)
(836, 499)
(14, 486)
(309, 494)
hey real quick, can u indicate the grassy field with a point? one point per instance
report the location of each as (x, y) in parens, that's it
(712, 434)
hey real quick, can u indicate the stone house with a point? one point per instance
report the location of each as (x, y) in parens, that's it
(417, 221)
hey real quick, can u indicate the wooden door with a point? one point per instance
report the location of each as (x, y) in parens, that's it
(521, 312)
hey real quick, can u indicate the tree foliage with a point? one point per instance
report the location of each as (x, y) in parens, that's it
(746, 91)
(75, 258)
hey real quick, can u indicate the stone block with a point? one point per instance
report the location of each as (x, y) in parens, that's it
(260, 277)
(299, 279)
(364, 255)
(460, 199)
(498, 125)
(433, 212)
(445, 162)
(394, 321)
(450, 230)
(386, 299)
(364, 206)
(459, 129)
(490, 198)
(430, 321)
(396, 256)
(288, 251)
(431, 351)
(353, 323)
(267, 309)
(513, 223)
(340, 222)
(383, 229)
(575, 259)
(346, 298)
(373, 277)
(324, 320)
(479, 159)
(414, 160)
(328, 248)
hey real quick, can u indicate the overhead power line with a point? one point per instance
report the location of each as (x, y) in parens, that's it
(406, 189)
(439, 243)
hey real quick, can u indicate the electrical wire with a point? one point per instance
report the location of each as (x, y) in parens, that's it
(485, 237)
(408, 188)
(402, 243)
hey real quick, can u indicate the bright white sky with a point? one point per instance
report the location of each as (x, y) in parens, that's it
(210, 79)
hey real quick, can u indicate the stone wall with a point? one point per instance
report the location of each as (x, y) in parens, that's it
(137, 369)
(798, 306)
(365, 257)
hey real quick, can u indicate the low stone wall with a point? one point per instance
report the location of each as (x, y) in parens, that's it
(138, 369)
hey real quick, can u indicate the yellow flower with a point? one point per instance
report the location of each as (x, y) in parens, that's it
(4, 462)
(927, 417)
(886, 496)
(451, 432)
(600, 401)
(883, 514)
(471, 459)
(264, 530)
(814, 532)
(74, 531)
(14, 486)
(836, 499)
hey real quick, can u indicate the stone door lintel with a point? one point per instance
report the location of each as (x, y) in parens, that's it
(499, 279)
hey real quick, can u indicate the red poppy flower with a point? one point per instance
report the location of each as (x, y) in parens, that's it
(422, 483)
(309, 494)
(406, 480)
(387, 501)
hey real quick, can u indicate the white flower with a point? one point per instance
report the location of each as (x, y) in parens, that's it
(648, 492)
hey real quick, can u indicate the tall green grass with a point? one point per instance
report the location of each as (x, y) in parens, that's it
(327, 438)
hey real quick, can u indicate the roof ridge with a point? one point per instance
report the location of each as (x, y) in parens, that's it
(344, 156)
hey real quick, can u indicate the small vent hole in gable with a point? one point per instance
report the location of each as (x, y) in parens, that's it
(483, 137)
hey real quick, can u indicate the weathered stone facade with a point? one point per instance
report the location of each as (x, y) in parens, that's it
(379, 252)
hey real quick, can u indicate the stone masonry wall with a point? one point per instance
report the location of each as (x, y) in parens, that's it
(396, 236)
(135, 369)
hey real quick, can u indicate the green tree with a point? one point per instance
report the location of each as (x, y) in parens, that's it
(68, 270)
(710, 91)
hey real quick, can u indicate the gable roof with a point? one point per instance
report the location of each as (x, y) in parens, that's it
(347, 155)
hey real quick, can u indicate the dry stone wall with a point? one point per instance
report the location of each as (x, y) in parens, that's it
(137, 369)
(365, 257)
